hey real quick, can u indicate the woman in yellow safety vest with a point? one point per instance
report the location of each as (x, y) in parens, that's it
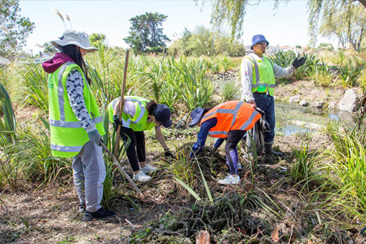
(229, 121)
(140, 114)
(75, 122)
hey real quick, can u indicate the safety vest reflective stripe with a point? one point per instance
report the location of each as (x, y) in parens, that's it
(218, 133)
(76, 124)
(249, 121)
(265, 84)
(60, 90)
(256, 68)
(66, 148)
(220, 110)
(234, 112)
(141, 112)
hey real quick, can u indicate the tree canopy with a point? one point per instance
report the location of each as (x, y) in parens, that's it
(232, 12)
(48, 47)
(14, 29)
(146, 33)
(97, 39)
(203, 41)
(350, 30)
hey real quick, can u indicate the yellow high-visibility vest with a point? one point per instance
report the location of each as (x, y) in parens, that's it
(67, 135)
(139, 121)
(263, 74)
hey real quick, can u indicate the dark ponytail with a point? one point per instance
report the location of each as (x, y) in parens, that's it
(73, 52)
(151, 107)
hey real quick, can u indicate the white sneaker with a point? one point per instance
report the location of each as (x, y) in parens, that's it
(230, 180)
(147, 169)
(141, 176)
(238, 166)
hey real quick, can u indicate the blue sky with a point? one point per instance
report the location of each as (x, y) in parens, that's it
(285, 26)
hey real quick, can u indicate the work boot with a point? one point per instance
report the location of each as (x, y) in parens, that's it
(97, 215)
(147, 169)
(269, 150)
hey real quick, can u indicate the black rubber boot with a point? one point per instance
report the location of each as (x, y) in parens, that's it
(268, 157)
(269, 150)
(100, 214)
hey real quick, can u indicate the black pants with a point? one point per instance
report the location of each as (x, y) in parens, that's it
(230, 149)
(136, 150)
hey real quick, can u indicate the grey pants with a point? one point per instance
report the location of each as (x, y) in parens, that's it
(89, 175)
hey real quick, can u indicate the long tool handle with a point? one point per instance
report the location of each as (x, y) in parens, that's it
(121, 169)
(121, 103)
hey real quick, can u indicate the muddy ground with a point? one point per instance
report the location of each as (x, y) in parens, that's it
(50, 214)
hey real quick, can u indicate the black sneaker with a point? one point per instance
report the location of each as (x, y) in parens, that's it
(100, 214)
(82, 208)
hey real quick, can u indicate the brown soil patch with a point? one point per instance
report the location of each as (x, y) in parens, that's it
(307, 91)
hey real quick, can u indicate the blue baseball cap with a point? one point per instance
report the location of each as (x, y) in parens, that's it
(257, 39)
(162, 114)
(196, 115)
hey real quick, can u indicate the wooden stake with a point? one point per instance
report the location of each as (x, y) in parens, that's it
(116, 145)
(121, 169)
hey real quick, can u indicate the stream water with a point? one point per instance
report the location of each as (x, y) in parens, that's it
(293, 118)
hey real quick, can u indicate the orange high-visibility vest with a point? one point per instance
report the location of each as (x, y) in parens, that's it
(232, 115)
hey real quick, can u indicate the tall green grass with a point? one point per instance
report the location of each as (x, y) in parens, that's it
(303, 170)
(345, 172)
(29, 158)
(165, 79)
(36, 86)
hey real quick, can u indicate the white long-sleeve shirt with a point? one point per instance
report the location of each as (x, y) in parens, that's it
(247, 75)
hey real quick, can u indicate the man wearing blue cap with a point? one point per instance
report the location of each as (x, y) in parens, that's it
(258, 75)
(140, 114)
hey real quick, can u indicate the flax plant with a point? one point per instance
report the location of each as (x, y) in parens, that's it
(7, 123)
(345, 171)
(105, 69)
(195, 90)
(303, 170)
(349, 73)
(181, 168)
(36, 86)
(155, 75)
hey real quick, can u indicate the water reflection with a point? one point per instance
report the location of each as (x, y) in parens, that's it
(288, 116)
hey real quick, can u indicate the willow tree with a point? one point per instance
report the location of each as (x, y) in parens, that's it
(232, 12)
(350, 30)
